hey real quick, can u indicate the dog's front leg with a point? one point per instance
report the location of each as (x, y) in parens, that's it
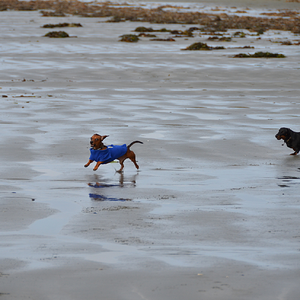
(89, 162)
(97, 165)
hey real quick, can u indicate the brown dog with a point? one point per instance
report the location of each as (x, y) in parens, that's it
(104, 154)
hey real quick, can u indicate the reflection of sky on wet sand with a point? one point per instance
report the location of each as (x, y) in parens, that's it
(208, 130)
(124, 182)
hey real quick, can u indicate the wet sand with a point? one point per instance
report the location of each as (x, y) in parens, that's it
(213, 212)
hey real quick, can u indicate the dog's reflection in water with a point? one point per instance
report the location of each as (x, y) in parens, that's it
(98, 197)
(124, 181)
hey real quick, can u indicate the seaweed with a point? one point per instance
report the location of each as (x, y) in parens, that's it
(143, 29)
(163, 30)
(57, 34)
(284, 13)
(221, 39)
(286, 43)
(116, 19)
(212, 38)
(52, 13)
(188, 33)
(239, 34)
(202, 46)
(260, 55)
(147, 35)
(245, 47)
(225, 39)
(260, 31)
(62, 25)
(287, 20)
(289, 43)
(129, 38)
(198, 46)
(163, 40)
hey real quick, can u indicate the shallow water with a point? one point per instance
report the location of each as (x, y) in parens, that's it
(214, 182)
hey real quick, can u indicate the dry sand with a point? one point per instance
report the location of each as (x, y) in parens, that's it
(213, 212)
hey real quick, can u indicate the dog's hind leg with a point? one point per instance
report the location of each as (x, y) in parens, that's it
(131, 156)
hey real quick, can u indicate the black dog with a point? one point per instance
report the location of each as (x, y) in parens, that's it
(290, 137)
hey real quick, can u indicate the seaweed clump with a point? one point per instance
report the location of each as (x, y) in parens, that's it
(159, 15)
(143, 29)
(260, 55)
(239, 34)
(62, 25)
(129, 38)
(147, 35)
(188, 32)
(149, 29)
(221, 39)
(57, 34)
(202, 46)
(286, 43)
(163, 40)
(245, 47)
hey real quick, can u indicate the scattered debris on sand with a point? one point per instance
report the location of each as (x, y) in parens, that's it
(289, 20)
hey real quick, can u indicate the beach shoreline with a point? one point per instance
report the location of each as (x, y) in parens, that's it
(213, 212)
(252, 4)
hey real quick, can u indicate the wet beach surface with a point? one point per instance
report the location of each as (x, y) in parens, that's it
(213, 212)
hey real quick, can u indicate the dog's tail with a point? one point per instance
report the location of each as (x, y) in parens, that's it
(134, 143)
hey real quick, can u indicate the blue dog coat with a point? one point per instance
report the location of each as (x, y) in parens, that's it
(111, 153)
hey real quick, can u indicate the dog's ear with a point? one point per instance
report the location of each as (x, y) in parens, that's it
(286, 132)
(103, 137)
